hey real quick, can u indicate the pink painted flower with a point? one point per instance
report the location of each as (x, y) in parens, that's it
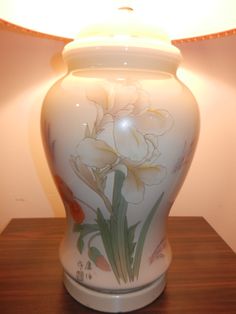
(158, 252)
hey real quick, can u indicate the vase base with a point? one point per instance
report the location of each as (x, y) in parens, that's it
(115, 302)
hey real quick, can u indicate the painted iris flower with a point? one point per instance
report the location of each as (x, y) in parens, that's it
(125, 138)
(121, 144)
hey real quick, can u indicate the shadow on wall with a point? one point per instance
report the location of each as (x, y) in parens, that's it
(26, 61)
(29, 66)
(37, 151)
(213, 57)
(35, 140)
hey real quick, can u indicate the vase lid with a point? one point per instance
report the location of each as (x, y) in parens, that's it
(123, 31)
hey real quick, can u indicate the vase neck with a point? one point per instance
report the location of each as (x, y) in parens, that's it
(166, 58)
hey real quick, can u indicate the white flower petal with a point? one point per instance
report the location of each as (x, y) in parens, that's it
(150, 150)
(142, 103)
(133, 188)
(154, 121)
(100, 115)
(86, 174)
(95, 153)
(124, 96)
(153, 160)
(105, 119)
(124, 112)
(151, 174)
(153, 138)
(153, 152)
(129, 142)
(98, 95)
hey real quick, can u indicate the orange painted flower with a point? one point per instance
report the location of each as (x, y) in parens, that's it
(76, 212)
(69, 199)
(64, 190)
(98, 259)
(102, 263)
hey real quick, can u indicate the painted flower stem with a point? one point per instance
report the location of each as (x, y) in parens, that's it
(118, 219)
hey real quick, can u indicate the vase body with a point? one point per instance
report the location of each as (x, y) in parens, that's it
(119, 141)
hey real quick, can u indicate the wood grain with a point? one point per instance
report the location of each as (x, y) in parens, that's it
(201, 279)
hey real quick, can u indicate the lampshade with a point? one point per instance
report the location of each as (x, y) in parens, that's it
(180, 19)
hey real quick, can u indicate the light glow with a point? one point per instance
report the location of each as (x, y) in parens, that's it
(125, 123)
(180, 19)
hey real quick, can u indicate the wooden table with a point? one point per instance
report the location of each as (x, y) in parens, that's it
(201, 280)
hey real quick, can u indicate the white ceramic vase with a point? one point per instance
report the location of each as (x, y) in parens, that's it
(119, 132)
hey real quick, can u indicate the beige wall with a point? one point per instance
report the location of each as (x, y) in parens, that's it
(29, 65)
(209, 190)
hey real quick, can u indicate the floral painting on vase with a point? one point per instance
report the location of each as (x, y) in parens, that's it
(122, 145)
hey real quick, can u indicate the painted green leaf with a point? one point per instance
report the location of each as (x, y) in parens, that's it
(84, 230)
(120, 229)
(118, 182)
(142, 236)
(131, 243)
(77, 227)
(80, 244)
(114, 241)
(93, 253)
(104, 228)
(128, 251)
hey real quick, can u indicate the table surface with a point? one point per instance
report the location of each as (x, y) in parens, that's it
(201, 279)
